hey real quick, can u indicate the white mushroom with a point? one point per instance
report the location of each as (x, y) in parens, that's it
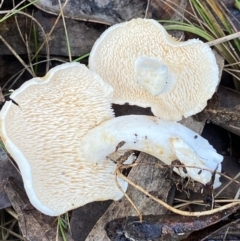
(62, 131)
(149, 68)
(43, 131)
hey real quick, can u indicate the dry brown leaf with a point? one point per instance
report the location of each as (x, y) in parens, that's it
(108, 11)
(6, 170)
(34, 225)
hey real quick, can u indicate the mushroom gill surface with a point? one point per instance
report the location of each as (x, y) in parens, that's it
(42, 133)
(149, 68)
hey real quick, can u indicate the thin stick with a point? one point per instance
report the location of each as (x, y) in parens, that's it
(147, 8)
(234, 75)
(65, 28)
(174, 210)
(237, 194)
(49, 34)
(44, 35)
(224, 39)
(232, 64)
(230, 182)
(128, 198)
(16, 55)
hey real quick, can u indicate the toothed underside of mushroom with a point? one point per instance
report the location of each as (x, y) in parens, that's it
(192, 63)
(167, 141)
(43, 134)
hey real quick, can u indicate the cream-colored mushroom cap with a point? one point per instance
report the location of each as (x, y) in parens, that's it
(149, 68)
(43, 132)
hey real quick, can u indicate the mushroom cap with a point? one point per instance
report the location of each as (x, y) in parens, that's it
(117, 57)
(42, 134)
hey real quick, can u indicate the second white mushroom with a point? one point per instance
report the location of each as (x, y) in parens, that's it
(149, 68)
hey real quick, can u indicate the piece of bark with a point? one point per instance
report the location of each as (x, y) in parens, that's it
(34, 225)
(6, 170)
(227, 115)
(84, 218)
(82, 35)
(148, 176)
(227, 230)
(9, 31)
(155, 227)
(223, 110)
(108, 11)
